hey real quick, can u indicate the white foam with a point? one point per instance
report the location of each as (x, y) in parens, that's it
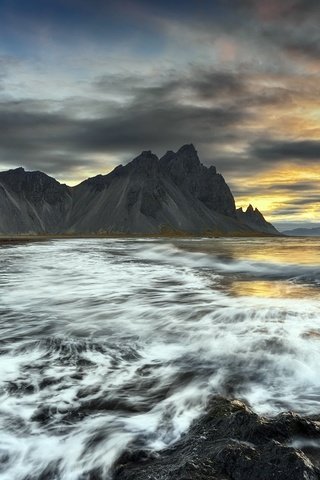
(153, 331)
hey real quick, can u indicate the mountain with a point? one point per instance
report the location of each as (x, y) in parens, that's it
(253, 218)
(303, 232)
(175, 193)
(32, 202)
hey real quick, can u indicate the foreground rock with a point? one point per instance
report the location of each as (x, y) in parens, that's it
(231, 443)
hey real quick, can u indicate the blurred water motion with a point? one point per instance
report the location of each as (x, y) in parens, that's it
(107, 342)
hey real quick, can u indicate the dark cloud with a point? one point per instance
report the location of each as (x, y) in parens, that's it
(227, 75)
(297, 42)
(287, 10)
(288, 211)
(301, 187)
(207, 107)
(295, 206)
(298, 151)
(160, 116)
(198, 82)
(301, 10)
(273, 26)
(313, 199)
(30, 135)
(307, 188)
(307, 47)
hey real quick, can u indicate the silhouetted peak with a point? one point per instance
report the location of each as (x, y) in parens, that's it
(189, 158)
(144, 156)
(250, 209)
(188, 148)
(186, 156)
(21, 175)
(254, 218)
(168, 155)
(254, 212)
(13, 173)
(34, 185)
(147, 162)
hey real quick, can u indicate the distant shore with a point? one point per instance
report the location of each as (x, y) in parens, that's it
(43, 237)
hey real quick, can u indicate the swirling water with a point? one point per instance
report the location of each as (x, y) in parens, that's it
(108, 343)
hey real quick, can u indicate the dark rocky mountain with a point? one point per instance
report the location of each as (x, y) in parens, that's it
(254, 219)
(175, 193)
(32, 202)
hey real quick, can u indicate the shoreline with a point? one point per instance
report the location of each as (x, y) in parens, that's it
(16, 238)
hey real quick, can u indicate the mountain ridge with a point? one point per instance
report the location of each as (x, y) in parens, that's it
(146, 196)
(303, 232)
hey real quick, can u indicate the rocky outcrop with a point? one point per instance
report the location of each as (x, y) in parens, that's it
(147, 196)
(230, 442)
(255, 220)
(32, 202)
(205, 184)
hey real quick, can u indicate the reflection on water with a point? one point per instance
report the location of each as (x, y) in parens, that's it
(301, 251)
(272, 289)
(109, 342)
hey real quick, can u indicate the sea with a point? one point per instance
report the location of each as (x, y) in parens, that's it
(109, 344)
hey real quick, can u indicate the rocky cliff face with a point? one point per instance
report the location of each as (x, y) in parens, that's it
(254, 219)
(205, 184)
(148, 195)
(32, 202)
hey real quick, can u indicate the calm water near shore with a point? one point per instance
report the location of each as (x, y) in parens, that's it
(105, 342)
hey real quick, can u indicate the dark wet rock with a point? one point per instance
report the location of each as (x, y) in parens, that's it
(229, 442)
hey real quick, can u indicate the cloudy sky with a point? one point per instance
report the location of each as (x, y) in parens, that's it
(88, 84)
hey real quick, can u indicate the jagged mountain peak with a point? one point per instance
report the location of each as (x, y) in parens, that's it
(20, 180)
(254, 219)
(187, 149)
(20, 172)
(16, 170)
(250, 208)
(254, 212)
(32, 202)
(147, 195)
(147, 162)
(181, 163)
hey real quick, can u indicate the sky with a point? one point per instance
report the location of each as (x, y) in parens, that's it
(88, 84)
